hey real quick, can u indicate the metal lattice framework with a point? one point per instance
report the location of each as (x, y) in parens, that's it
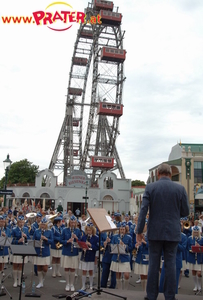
(84, 133)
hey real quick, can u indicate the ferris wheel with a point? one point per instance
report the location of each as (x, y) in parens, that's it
(87, 139)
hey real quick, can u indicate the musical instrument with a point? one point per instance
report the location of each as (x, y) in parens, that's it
(134, 252)
(72, 244)
(31, 215)
(50, 219)
(84, 250)
(186, 225)
(104, 248)
(1, 248)
(118, 257)
(41, 242)
(59, 245)
(23, 236)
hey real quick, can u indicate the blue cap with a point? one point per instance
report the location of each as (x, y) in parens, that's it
(123, 224)
(195, 228)
(21, 218)
(127, 215)
(1, 217)
(4, 216)
(58, 219)
(39, 215)
(117, 214)
(10, 211)
(73, 218)
(44, 221)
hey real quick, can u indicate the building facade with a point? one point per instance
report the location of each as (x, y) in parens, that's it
(110, 192)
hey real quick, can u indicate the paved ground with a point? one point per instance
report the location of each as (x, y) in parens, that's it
(56, 286)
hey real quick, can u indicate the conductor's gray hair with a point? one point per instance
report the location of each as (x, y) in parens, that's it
(164, 169)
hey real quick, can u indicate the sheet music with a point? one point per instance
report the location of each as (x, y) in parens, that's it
(5, 241)
(110, 221)
(118, 248)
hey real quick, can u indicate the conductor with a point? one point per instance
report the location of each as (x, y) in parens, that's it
(167, 202)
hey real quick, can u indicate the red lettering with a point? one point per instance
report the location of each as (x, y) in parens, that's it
(93, 20)
(27, 20)
(80, 17)
(38, 16)
(6, 19)
(65, 13)
(48, 18)
(99, 19)
(57, 16)
(72, 17)
(16, 19)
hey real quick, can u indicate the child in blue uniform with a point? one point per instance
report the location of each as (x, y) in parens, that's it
(121, 262)
(195, 259)
(4, 232)
(20, 235)
(70, 253)
(42, 260)
(88, 255)
(56, 245)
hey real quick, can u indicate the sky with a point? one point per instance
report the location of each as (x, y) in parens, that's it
(162, 94)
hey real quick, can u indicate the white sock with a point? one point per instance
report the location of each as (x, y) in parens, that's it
(15, 273)
(19, 277)
(72, 277)
(119, 283)
(195, 280)
(53, 270)
(126, 282)
(91, 280)
(40, 275)
(58, 269)
(83, 280)
(67, 277)
(199, 283)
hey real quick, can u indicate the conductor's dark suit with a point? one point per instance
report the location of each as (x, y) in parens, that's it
(167, 202)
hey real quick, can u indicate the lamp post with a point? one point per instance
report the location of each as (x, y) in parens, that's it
(85, 197)
(7, 163)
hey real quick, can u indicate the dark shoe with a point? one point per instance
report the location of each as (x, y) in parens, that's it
(146, 298)
(111, 287)
(186, 275)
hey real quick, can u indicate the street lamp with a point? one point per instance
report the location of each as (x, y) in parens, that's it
(7, 163)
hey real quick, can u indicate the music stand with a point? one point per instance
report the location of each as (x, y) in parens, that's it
(5, 241)
(35, 244)
(23, 250)
(103, 223)
(198, 249)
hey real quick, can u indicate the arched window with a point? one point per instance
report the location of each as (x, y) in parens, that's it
(26, 195)
(175, 173)
(44, 195)
(108, 197)
(108, 183)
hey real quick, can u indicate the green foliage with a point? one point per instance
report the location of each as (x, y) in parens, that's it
(137, 183)
(22, 171)
(2, 182)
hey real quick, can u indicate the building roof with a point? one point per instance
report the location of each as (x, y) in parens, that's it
(174, 162)
(194, 147)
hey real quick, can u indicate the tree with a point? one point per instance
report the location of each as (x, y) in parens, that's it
(138, 183)
(22, 171)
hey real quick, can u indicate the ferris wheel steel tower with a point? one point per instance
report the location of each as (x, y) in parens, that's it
(87, 139)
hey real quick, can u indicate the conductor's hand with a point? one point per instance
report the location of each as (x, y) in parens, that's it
(139, 237)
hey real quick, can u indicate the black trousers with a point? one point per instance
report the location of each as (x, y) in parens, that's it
(156, 250)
